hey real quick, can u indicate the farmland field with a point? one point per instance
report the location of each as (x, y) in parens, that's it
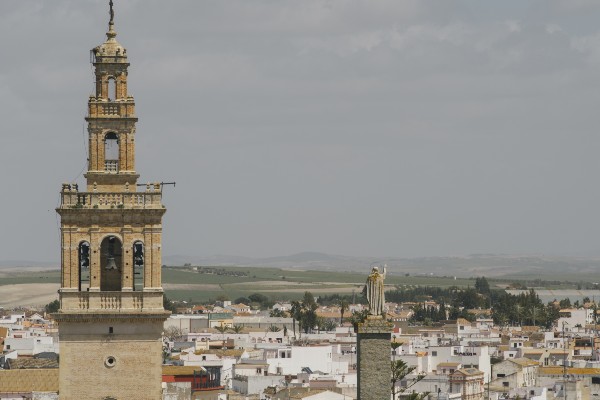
(200, 284)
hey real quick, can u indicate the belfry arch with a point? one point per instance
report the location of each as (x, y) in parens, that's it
(111, 264)
(111, 152)
(138, 265)
(84, 265)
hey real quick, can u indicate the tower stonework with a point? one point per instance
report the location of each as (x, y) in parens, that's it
(111, 299)
(374, 364)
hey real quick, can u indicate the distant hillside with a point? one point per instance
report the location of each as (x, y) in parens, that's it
(526, 267)
(492, 265)
(11, 264)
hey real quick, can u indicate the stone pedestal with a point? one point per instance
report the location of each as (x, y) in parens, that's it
(374, 361)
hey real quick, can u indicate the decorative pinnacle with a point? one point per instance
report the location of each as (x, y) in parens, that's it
(111, 24)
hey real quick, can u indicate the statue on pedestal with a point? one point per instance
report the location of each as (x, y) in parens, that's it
(375, 295)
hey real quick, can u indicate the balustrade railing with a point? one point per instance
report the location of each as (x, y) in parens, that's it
(111, 166)
(111, 109)
(110, 301)
(71, 199)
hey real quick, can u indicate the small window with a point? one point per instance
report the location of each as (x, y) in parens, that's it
(505, 384)
(434, 353)
(110, 329)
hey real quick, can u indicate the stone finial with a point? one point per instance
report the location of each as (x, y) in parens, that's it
(127, 186)
(111, 12)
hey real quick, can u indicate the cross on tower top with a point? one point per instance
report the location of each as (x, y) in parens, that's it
(112, 12)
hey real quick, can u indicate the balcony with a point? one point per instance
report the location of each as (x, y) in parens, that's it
(106, 200)
(111, 301)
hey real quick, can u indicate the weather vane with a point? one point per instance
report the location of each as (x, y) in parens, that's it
(112, 12)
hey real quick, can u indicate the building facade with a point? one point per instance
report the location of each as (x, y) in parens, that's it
(111, 299)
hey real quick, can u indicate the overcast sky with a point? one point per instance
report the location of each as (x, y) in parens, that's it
(371, 128)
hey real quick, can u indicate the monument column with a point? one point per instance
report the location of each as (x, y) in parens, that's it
(374, 344)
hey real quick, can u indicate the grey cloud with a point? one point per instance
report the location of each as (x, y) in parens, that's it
(363, 128)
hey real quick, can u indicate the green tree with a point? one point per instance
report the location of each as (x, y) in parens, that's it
(258, 298)
(277, 313)
(242, 300)
(330, 325)
(296, 314)
(222, 329)
(399, 371)
(52, 307)
(358, 317)
(320, 323)
(222, 297)
(309, 312)
(343, 308)
(482, 286)
(565, 303)
(237, 328)
(169, 305)
(274, 328)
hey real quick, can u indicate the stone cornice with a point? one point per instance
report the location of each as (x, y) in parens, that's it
(375, 324)
(95, 316)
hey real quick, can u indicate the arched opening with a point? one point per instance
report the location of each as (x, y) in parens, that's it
(111, 264)
(111, 152)
(84, 266)
(138, 266)
(112, 89)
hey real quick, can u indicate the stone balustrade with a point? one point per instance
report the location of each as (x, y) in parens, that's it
(111, 301)
(98, 107)
(111, 166)
(74, 199)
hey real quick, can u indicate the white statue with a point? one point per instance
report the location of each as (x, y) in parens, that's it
(375, 295)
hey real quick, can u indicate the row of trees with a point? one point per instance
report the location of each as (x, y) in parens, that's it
(305, 313)
(523, 309)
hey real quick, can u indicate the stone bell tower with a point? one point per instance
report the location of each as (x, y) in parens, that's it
(111, 299)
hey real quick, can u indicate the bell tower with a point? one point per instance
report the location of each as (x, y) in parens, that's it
(111, 299)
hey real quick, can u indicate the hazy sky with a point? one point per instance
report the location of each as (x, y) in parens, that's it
(376, 128)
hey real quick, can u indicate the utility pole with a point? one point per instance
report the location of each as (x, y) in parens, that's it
(564, 361)
(489, 379)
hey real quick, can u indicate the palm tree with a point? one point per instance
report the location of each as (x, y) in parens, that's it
(320, 323)
(534, 312)
(237, 328)
(519, 310)
(343, 308)
(222, 329)
(330, 325)
(295, 313)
